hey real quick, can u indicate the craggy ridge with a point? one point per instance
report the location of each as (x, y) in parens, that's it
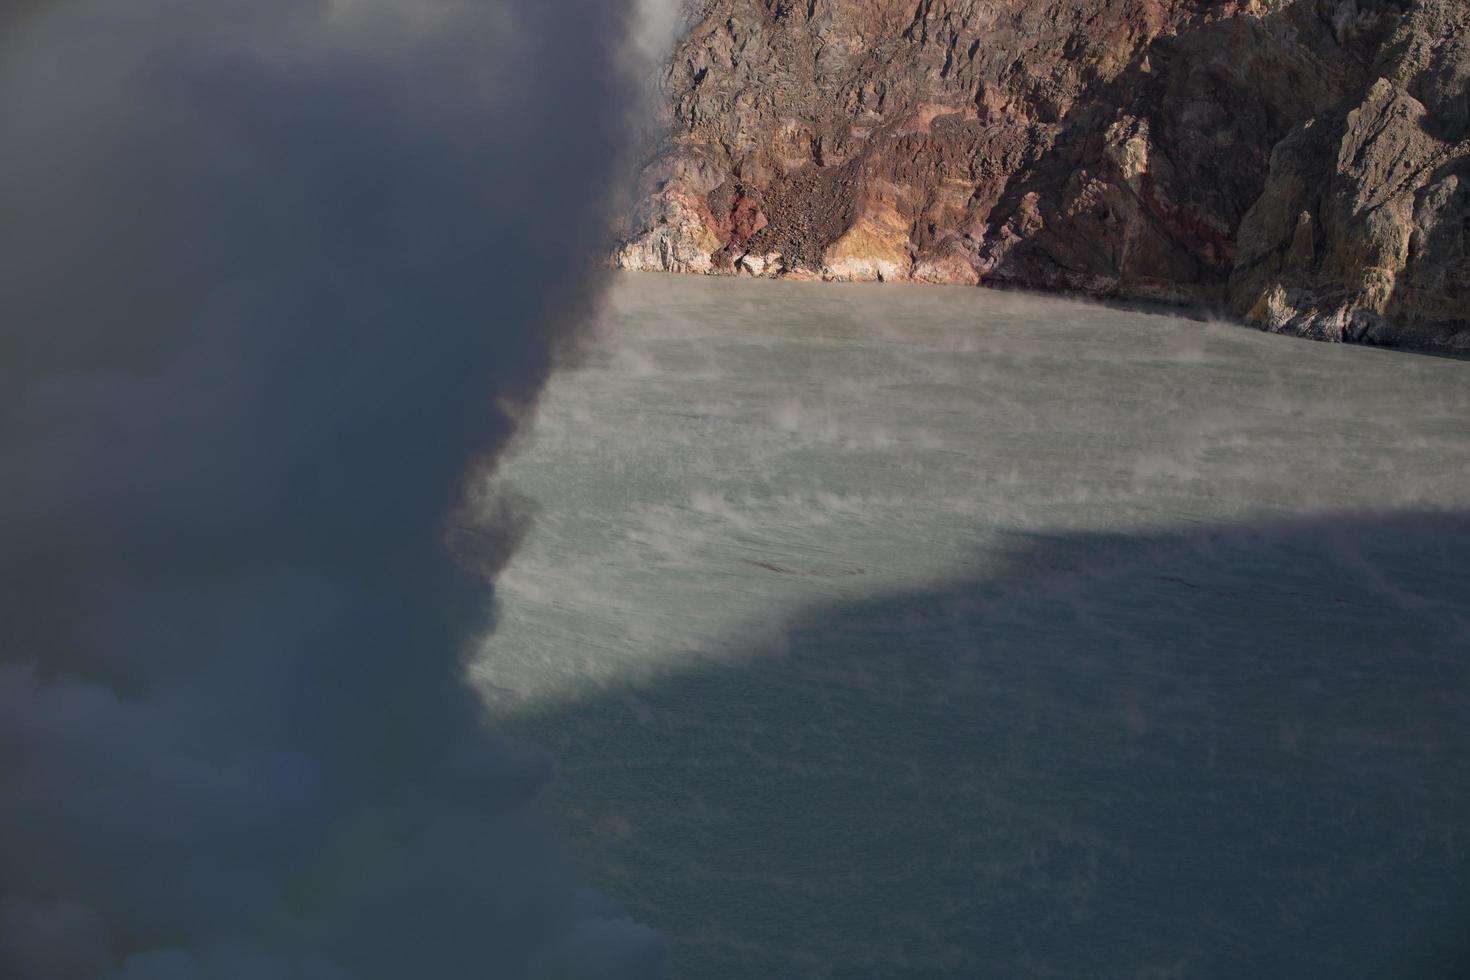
(1303, 164)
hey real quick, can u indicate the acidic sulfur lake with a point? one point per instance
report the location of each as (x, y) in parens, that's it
(888, 632)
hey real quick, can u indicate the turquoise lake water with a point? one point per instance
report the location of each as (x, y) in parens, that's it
(899, 632)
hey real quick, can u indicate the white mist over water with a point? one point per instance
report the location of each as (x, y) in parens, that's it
(901, 632)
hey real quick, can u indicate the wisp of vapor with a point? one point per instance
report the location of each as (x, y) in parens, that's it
(276, 274)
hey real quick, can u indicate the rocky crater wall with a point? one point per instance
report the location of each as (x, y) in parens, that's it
(1303, 164)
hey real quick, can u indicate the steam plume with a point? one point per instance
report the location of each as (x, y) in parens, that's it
(273, 272)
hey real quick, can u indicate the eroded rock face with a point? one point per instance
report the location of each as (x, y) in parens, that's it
(1302, 163)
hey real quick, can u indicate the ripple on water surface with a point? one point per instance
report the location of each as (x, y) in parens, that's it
(896, 632)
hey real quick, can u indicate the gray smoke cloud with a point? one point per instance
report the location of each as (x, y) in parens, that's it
(275, 273)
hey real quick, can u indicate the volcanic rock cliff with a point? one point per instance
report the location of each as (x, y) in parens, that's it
(1304, 164)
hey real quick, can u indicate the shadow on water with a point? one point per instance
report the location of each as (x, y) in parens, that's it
(1242, 752)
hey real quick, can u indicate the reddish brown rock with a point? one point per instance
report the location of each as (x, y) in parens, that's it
(1300, 162)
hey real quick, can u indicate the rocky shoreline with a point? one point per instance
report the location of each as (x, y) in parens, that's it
(1303, 165)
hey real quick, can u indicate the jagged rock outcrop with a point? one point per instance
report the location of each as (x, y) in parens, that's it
(1302, 163)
